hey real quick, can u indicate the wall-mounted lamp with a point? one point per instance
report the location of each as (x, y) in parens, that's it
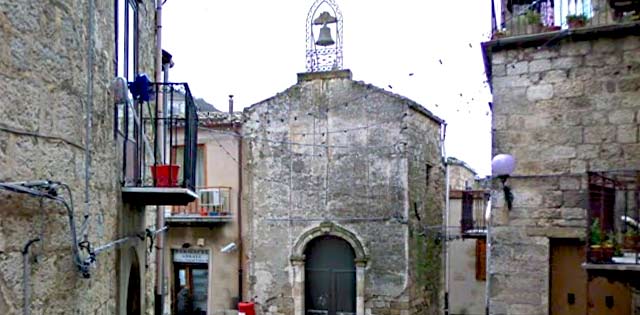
(502, 165)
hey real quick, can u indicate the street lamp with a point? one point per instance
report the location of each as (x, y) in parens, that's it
(502, 165)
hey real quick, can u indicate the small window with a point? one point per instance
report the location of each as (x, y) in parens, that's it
(126, 56)
(178, 158)
(127, 51)
(481, 259)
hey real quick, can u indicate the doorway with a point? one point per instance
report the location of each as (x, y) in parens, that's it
(568, 278)
(330, 277)
(190, 292)
(133, 287)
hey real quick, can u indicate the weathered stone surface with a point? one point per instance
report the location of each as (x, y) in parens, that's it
(582, 115)
(540, 92)
(44, 78)
(539, 65)
(367, 181)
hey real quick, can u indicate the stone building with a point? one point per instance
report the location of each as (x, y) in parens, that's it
(466, 241)
(566, 107)
(61, 142)
(343, 195)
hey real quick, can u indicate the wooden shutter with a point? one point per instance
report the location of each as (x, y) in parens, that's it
(481, 259)
(466, 221)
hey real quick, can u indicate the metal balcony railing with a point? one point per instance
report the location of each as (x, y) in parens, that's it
(613, 231)
(212, 202)
(473, 212)
(525, 17)
(160, 117)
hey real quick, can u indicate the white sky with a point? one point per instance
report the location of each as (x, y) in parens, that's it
(253, 49)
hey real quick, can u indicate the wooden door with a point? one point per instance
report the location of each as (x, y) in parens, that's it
(568, 278)
(608, 298)
(330, 279)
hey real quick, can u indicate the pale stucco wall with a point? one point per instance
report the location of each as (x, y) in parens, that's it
(221, 168)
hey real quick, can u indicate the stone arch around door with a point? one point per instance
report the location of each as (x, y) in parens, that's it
(298, 263)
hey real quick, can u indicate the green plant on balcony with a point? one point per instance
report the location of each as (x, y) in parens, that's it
(617, 247)
(528, 23)
(577, 20)
(631, 240)
(595, 242)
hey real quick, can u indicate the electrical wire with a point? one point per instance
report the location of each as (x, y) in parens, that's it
(38, 135)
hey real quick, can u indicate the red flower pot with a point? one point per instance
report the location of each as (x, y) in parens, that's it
(165, 175)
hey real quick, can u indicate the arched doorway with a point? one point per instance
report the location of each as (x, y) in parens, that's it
(330, 277)
(133, 287)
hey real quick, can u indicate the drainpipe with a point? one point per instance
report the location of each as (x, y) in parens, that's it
(445, 223)
(159, 296)
(239, 215)
(26, 272)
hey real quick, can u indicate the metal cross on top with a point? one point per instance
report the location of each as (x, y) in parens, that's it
(324, 23)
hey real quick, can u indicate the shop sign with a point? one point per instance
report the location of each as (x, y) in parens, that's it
(194, 256)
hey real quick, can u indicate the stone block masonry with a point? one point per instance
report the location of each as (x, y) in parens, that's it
(575, 109)
(44, 69)
(331, 156)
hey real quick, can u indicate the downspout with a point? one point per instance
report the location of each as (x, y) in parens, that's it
(88, 118)
(159, 296)
(26, 289)
(237, 128)
(445, 232)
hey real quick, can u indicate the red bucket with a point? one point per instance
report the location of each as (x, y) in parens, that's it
(165, 175)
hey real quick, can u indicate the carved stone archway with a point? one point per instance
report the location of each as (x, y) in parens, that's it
(298, 263)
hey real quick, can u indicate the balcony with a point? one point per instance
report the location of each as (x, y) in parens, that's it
(473, 209)
(211, 207)
(613, 233)
(150, 120)
(552, 19)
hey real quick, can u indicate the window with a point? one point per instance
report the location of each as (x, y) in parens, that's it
(200, 164)
(466, 221)
(427, 175)
(126, 63)
(126, 55)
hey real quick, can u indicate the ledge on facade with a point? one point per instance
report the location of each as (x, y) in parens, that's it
(161, 196)
(324, 75)
(550, 38)
(612, 267)
(197, 220)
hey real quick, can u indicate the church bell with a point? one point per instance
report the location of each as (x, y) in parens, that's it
(325, 37)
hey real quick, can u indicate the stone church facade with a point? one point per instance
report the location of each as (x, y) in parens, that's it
(344, 191)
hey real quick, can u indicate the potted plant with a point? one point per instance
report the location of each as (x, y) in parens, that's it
(534, 22)
(608, 249)
(631, 240)
(498, 35)
(165, 175)
(577, 20)
(595, 241)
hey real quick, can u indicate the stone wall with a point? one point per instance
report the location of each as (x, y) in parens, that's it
(44, 75)
(461, 175)
(353, 175)
(426, 205)
(561, 109)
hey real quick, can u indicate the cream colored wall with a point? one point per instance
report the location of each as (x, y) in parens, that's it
(221, 170)
(466, 294)
(223, 267)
